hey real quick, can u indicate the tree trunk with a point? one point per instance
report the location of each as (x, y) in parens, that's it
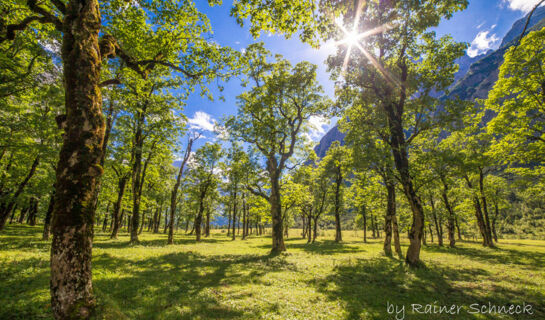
(79, 164)
(458, 228)
(244, 216)
(390, 213)
(487, 237)
(338, 182)
(315, 230)
(488, 228)
(397, 243)
(431, 232)
(276, 213)
(401, 159)
(117, 206)
(234, 211)
(364, 213)
(450, 221)
(229, 220)
(4, 214)
(105, 222)
(22, 214)
(174, 193)
(496, 214)
(207, 229)
(437, 224)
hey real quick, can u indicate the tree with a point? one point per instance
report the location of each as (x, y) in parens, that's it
(410, 66)
(337, 165)
(171, 33)
(518, 98)
(271, 116)
(204, 179)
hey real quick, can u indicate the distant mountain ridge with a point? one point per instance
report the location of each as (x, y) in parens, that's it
(475, 78)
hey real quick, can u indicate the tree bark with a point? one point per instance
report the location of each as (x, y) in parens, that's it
(276, 213)
(79, 164)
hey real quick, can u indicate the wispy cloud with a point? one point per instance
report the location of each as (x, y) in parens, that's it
(483, 42)
(317, 126)
(522, 5)
(202, 121)
(480, 25)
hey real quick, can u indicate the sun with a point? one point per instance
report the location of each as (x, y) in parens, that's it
(351, 38)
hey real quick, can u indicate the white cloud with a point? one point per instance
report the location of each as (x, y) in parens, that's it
(522, 5)
(482, 43)
(480, 25)
(317, 126)
(493, 26)
(202, 121)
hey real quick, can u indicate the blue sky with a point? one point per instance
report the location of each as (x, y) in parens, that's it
(483, 24)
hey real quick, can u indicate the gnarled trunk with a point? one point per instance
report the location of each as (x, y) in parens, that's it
(79, 164)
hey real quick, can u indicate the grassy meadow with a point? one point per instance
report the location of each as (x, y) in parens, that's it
(223, 279)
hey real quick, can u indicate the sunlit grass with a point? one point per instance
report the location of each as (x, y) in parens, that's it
(224, 279)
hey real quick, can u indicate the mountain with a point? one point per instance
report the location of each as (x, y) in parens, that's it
(332, 135)
(476, 75)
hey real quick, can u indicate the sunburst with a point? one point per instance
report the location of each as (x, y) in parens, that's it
(352, 39)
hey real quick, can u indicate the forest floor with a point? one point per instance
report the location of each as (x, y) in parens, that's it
(223, 279)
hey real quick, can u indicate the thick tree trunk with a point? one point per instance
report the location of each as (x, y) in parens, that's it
(121, 184)
(198, 221)
(401, 160)
(276, 213)
(79, 164)
(207, 229)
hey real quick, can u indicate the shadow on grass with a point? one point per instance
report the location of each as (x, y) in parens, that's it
(181, 285)
(499, 254)
(124, 243)
(326, 247)
(367, 286)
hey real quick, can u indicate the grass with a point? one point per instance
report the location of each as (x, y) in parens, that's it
(223, 279)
